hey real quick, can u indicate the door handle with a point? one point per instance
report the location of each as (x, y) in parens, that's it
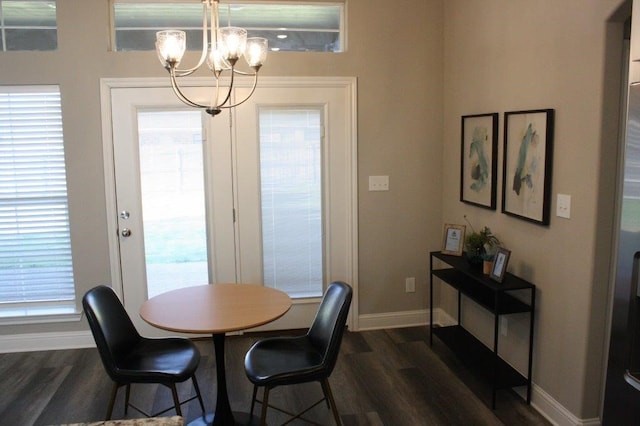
(126, 232)
(632, 380)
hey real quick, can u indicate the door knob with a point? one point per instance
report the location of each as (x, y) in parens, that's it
(126, 232)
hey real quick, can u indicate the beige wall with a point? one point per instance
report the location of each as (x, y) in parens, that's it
(399, 132)
(420, 65)
(505, 55)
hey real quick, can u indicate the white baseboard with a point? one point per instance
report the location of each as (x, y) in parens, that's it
(540, 400)
(393, 320)
(552, 410)
(443, 319)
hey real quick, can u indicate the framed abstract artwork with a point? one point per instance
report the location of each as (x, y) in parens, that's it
(527, 164)
(478, 160)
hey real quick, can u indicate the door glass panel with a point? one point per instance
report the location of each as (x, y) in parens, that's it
(173, 205)
(291, 199)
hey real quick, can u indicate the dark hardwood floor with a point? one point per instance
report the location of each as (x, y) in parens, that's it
(383, 377)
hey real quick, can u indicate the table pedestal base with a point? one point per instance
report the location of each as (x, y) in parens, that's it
(223, 415)
(238, 417)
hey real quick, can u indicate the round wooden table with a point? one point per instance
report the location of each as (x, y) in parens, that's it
(216, 309)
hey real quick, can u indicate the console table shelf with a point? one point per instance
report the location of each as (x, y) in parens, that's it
(478, 291)
(476, 355)
(498, 299)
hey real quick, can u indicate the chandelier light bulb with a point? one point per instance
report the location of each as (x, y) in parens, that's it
(170, 46)
(216, 61)
(256, 51)
(234, 42)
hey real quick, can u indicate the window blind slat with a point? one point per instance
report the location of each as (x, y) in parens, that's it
(35, 244)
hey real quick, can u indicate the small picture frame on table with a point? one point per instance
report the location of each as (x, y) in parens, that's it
(500, 262)
(453, 239)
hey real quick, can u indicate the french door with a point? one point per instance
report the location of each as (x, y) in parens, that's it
(197, 200)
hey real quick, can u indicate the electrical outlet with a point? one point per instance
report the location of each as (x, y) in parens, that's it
(563, 206)
(378, 183)
(410, 285)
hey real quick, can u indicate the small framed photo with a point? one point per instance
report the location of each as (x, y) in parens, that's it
(453, 239)
(500, 262)
(479, 160)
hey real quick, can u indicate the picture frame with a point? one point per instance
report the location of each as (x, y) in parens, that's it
(500, 263)
(527, 164)
(479, 160)
(453, 239)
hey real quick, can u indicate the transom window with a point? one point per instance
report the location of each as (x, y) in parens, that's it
(316, 27)
(28, 25)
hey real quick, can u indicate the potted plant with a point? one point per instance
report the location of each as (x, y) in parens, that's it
(481, 246)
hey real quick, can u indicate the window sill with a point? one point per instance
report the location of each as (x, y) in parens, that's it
(38, 315)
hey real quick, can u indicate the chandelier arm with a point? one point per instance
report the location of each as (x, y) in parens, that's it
(228, 96)
(205, 44)
(182, 96)
(255, 83)
(214, 99)
(252, 74)
(214, 18)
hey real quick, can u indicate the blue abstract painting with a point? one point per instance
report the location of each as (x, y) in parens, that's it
(478, 162)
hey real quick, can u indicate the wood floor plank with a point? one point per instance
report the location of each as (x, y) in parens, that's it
(24, 406)
(82, 395)
(382, 377)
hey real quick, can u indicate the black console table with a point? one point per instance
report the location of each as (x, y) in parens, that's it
(498, 299)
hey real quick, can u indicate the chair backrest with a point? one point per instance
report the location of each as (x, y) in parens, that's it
(328, 326)
(112, 329)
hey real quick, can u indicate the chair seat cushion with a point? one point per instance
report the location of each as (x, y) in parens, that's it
(283, 360)
(171, 360)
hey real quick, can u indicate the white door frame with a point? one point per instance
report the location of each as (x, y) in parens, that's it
(351, 199)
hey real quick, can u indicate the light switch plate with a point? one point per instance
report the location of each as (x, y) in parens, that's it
(378, 183)
(563, 206)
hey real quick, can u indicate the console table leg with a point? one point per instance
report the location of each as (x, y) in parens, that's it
(531, 321)
(496, 332)
(431, 302)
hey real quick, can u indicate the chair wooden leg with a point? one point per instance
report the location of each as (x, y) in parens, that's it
(176, 401)
(253, 399)
(265, 405)
(114, 392)
(197, 389)
(327, 393)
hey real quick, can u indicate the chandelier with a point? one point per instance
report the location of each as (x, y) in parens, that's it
(221, 50)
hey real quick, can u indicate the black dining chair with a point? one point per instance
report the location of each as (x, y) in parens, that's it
(130, 358)
(280, 361)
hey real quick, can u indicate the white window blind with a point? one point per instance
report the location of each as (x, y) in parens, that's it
(291, 194)
(35, 245)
